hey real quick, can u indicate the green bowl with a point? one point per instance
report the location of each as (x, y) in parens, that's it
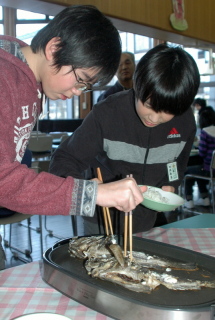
(163, 200)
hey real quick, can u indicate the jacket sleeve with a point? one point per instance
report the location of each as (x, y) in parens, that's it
(75, 155)
(25, 191)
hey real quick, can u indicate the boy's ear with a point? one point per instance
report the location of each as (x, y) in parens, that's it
(51, 48)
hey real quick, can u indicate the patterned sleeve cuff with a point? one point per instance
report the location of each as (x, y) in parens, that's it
(84, 195)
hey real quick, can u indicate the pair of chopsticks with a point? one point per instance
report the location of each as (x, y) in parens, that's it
(128, 220)
(106, 212)
(128, 223)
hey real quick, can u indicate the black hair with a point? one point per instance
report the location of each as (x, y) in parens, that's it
(207, 117)
(200, 101)
(169, 77)
(88, 39)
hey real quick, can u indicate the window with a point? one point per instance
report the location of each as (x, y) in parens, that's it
(60, 109)
(205, 63)
(33, 21)
(29, 23)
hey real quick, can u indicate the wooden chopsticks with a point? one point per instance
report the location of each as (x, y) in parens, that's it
(125, 234)
(106, 212)
(128, 222)
(130, 235)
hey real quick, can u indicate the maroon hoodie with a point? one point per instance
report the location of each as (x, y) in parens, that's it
(21, 188)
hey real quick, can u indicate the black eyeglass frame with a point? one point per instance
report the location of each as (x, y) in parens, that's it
(86, 87)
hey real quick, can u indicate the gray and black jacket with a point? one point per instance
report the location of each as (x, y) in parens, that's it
(113, 138)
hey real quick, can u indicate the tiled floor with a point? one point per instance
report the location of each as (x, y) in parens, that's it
(62, 227)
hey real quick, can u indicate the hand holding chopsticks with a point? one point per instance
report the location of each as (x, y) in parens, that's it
(106, 212)
(128, 222)
(123, 194)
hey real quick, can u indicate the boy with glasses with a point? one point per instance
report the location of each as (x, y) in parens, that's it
(80, 46)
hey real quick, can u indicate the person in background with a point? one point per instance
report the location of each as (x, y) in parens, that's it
(78, 48)
(147, 131)
(195, 160)
(206, 148)
(199, 104)
(124, 75)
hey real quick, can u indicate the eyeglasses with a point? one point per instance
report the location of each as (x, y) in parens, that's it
(81, 85)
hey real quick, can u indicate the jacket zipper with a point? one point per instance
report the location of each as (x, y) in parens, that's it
(146, 156)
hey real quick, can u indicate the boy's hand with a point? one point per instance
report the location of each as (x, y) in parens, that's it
(124, 194)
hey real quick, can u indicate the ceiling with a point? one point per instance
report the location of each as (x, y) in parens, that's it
(33, 5)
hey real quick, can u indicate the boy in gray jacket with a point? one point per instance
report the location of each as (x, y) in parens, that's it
(147, 131)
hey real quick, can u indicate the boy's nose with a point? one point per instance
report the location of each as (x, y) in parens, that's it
(76, 92)
(154, 118)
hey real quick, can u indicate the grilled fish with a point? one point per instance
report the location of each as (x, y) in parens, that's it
(105, 260)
